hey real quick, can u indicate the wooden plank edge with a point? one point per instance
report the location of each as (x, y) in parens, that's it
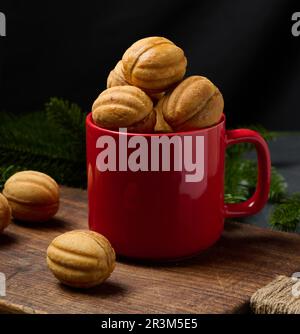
(9, 308)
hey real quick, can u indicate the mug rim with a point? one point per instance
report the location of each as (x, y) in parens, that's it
(90, 123)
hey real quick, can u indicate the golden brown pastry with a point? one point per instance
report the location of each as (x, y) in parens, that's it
(194, 104)
(154, 64)
(161, 126)
(116, 76)
(5, 213)
(33, 196)
(124, 107)
(81, 258)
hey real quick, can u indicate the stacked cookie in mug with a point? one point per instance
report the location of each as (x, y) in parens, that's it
(147, 93)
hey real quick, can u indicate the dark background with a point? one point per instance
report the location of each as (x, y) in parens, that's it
(67, 49)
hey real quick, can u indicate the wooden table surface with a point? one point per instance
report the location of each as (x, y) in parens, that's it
(220, 280)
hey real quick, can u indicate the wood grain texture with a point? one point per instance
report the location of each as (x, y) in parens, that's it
(220, 280)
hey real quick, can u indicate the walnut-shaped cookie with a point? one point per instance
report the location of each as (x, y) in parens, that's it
(161, 126)
(81, 258)
(154, 64)
(116, 78)
(124, 107)
(194, 104)
(5, 213)
(32, 196)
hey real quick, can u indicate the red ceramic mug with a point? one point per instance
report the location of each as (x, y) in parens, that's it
(161, 214)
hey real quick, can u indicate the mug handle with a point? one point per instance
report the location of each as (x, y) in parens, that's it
(261, 195)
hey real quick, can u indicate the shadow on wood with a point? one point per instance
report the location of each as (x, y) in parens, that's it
(7, 239)
(106, 289)
(52, 224)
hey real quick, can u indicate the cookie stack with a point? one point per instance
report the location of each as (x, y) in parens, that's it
(147, 93)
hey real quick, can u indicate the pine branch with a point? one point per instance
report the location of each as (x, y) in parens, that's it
(241, 173)
(236, 182)
(279, 187)
(241, 179)
(286, 215)
(66, 117)
(46, 142)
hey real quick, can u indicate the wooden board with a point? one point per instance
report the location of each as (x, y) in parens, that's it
(220, 280)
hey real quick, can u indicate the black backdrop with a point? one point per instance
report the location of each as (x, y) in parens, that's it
(67, 48)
